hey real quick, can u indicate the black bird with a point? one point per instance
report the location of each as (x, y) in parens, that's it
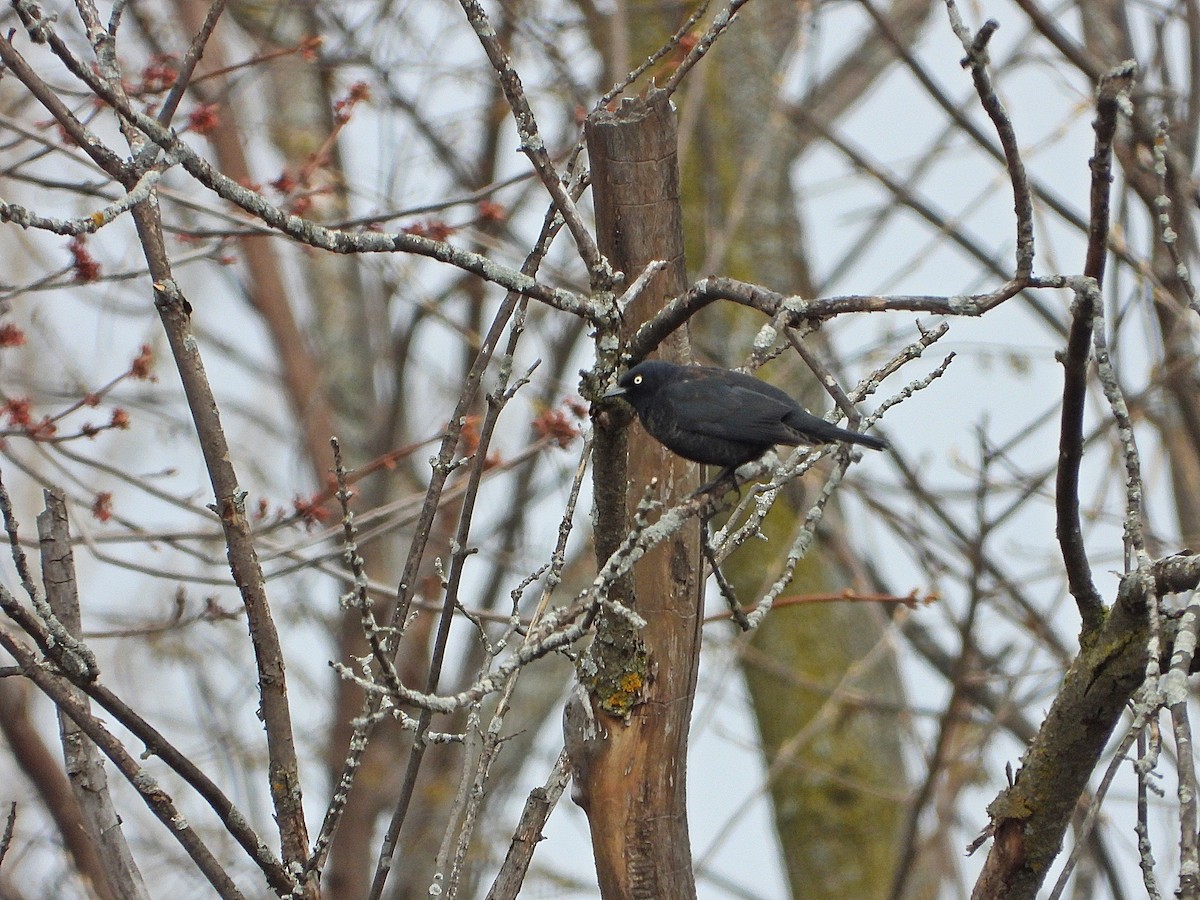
(722, 418)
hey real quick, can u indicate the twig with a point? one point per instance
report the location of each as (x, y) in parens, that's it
(721, 21)
(1084, 309)
(910, 600)
(550, 227)
(528, 833)
(1176, 693)
(1142, 828)
(405, 594)
(949, 226)
(727, 591)
(174, 312)
(671, 43)
(189, 62)
(825, 377)
(89, 224)
(514, 309)
(467, 800)
(491, 740)
(376, 707)
(459, 554)
(1089, 821)
(254, 203)
(71, 654)
(80, 134)
(963, 671)
(159, 802)
(559, 628)
(532, 146)
(762, 497)
(235, 822)
(802, 542)
(245, 567)
(9, 825)
(1167, 233)
(977, 61)
(1135, 537)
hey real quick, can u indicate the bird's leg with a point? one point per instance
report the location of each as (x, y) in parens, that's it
(729, 472)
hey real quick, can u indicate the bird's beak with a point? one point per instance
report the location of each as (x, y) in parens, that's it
(617, 391)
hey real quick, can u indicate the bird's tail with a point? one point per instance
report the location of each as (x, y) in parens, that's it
(826, 432)
(867, 440)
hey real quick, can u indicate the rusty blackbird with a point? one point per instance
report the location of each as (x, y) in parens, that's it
(720, 417)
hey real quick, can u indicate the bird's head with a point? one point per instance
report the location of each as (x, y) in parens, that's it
(643, 381)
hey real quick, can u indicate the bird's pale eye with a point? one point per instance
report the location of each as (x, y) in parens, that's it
(637, 379)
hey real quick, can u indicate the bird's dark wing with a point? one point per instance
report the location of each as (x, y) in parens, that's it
(722, 408)
(736, 406)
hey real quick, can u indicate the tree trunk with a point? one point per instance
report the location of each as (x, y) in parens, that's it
(628, 747)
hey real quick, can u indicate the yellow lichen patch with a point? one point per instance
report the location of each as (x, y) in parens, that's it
(631, 682)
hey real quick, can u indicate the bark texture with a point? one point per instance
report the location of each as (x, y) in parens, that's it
(628, 745)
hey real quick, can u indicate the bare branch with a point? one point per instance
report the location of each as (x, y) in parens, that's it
(311, 233)
(190, 60)
(721, 21)
(1075, 359)
(533, 147)
(85, 765)
(794, 311)
(528, 833)
(1031, 815)
(10, 823)
(159, 802)
(977, 61)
